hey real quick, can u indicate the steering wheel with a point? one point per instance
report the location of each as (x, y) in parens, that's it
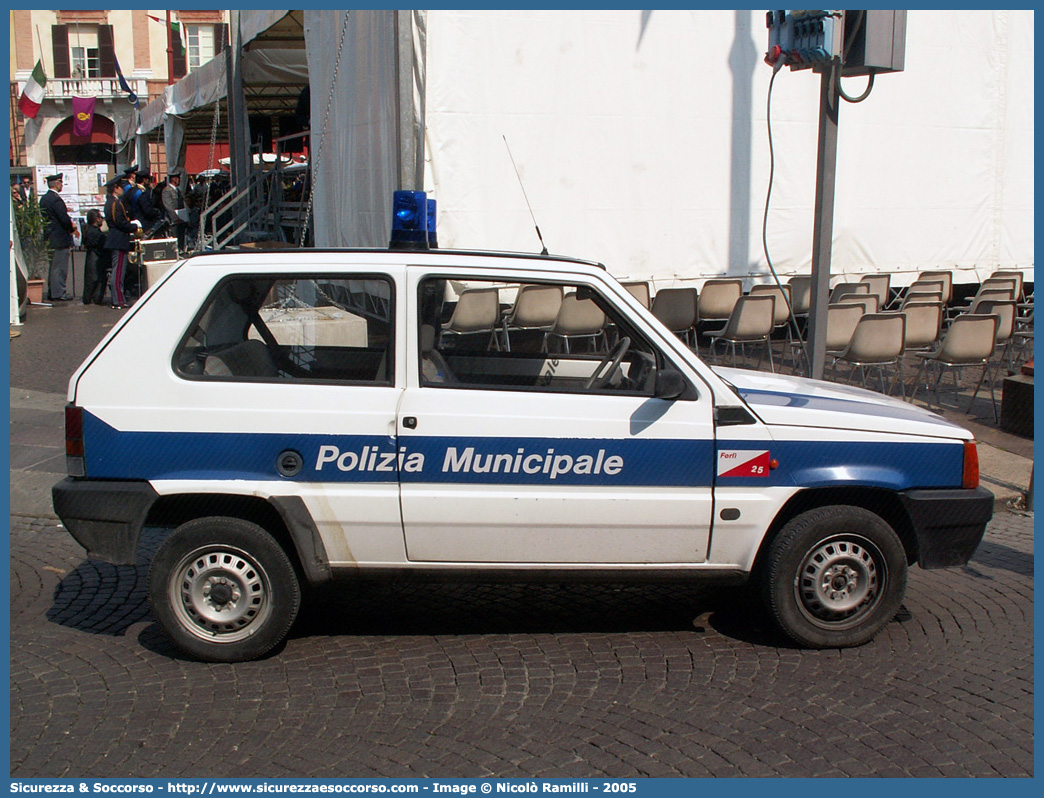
(603, 375)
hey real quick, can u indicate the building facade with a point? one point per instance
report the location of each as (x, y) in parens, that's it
(83, 54)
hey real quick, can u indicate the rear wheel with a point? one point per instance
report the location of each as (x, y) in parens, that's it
(223, 589)
(834, 576)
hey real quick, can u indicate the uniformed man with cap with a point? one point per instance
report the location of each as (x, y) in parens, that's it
(131, 189)
(59, 233)
(173, 201)
(118, 240)
(143, 208)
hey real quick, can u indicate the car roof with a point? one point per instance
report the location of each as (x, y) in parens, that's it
(398, 256)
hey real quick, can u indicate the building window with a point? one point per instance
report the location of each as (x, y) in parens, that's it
(83, 49)
(200, 45)
(85, 62)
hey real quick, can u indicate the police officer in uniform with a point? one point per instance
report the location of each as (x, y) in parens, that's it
(144, 209)
(173, 201)
(59, 234)
(118, 240)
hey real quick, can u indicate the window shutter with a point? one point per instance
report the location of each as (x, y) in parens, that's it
(60, 49)
(220, 38)
(180, 61)
(106, 52)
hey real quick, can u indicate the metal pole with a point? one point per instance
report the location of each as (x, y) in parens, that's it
(170, 53)
(238, 121)
(823, 229)
(410, 66)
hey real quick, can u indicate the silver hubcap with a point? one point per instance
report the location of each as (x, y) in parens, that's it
(220, 592)
(840, 581)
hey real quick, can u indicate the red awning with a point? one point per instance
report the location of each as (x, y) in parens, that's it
(102, 133)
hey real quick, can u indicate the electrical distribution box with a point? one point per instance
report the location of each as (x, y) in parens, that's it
(804, 39)
(864, 42)
(878, 42)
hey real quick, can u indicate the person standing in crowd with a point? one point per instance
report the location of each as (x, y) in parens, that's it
(26, 187)
(16, 194)
(118, 241)
(129, 185)
(131, 189)
(59, 230)
(194, 202)
(95, 268)
(145, 210)
(173, 201)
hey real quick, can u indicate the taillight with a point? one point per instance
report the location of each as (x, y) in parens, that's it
(970, 477)
(74, 465)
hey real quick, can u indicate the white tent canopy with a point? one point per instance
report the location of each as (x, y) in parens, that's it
(253, 23)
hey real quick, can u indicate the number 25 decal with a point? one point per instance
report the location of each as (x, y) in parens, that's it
(740, 463)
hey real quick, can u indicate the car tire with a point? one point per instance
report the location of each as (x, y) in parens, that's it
(834, 576)
(223, 589)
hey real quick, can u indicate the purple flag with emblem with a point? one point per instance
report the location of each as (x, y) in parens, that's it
(83, 115)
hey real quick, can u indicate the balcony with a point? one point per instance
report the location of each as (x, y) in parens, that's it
(100, 88)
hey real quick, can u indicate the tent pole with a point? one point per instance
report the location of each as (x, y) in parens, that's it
(238, 125)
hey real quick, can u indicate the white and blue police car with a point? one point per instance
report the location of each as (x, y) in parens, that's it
(301, 416)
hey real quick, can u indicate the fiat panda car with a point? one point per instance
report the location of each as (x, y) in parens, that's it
(304, 416)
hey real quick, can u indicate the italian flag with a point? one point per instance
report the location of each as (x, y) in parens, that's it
(32, 96)
(177, 36)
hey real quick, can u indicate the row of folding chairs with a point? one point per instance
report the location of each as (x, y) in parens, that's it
(683, 308)
(895, 329)
(860, 335)
(546, 309)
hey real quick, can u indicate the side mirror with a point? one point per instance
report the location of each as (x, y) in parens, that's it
(670, 384)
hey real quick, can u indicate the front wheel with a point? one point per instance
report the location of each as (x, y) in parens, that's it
(834, 576)
(223, 589)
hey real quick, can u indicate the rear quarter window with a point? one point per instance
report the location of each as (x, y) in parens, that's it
(270, 328)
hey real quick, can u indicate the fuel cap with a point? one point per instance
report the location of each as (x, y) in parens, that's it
(289, 463)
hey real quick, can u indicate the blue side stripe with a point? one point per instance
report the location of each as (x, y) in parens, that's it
(113, 454)
(820, 464)
(563, 461)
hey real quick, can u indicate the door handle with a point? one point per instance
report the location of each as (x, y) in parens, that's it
(410, 422)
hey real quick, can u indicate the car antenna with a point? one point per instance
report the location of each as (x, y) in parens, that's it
(543, 251)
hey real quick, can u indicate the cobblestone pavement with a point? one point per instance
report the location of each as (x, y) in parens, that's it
(505, 680)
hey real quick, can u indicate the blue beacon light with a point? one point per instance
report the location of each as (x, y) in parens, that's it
(433, 241)
(409, 220)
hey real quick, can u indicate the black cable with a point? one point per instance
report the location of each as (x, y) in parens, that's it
(861, 97)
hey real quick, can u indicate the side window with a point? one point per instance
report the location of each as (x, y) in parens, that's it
(277, 329)
(530, 336)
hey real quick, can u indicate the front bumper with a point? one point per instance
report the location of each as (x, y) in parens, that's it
(949, 524)
(105, 517)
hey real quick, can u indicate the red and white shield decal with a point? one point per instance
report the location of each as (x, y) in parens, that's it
(740, 463)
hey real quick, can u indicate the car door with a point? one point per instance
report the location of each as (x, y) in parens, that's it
(513, 458)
